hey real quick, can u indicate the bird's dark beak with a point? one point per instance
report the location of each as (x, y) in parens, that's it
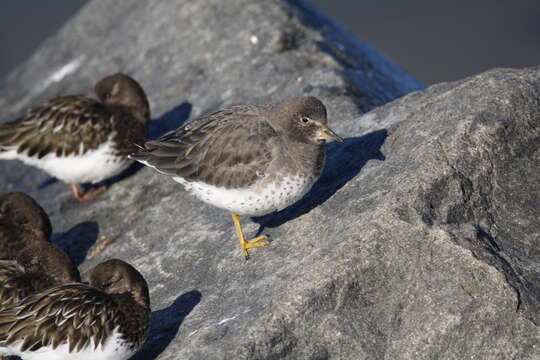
(326, 134)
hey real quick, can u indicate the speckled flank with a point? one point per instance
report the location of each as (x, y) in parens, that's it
(261, 198)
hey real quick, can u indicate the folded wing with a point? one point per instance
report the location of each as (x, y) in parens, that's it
(76, 312)
(58, 126)
(228, 148)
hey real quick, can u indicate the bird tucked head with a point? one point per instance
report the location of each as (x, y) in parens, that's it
(45, 260)
(303, 119)
(123, 91)
(23, 220)
(118, 277)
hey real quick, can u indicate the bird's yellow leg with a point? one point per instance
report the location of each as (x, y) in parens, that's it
(249, 244)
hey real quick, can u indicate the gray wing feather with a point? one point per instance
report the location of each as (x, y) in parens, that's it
(228, 148)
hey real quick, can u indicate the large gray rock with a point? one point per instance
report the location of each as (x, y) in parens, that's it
(420, 241)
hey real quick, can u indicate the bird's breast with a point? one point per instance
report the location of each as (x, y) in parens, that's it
(265, 196)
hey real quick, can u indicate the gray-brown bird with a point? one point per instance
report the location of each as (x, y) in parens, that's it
(248, 159)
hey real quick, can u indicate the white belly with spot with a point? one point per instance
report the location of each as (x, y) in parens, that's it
(113, 349)
(90, 167)
(256, 200)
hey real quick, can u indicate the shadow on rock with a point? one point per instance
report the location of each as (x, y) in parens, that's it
(47, 182)
(78, 240)
(343, 162)
(131, 170)
(164, 325)
(170, 120)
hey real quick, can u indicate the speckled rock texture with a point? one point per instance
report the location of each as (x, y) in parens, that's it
(420, 241)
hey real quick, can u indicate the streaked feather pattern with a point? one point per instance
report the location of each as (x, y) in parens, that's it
(65, 125)
(14, 286)
(235, 139)
(37, 267)
(78, 313)
(79, 139)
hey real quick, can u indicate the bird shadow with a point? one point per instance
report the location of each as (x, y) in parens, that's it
(172, 119)
(78, 240)
(47, 183)
(344, 161)
(164, 325)
(159, 126)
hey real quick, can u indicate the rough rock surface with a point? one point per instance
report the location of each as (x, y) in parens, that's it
(420, 241)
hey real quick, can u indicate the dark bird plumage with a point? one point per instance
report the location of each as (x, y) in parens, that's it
(22, 222)
(108, 319)
(79, 139)
(36, 268)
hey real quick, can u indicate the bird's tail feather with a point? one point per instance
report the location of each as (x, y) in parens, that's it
(9, 133)
(157, 155)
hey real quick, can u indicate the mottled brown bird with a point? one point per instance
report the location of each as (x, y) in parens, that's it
(108, 319)
(248, 159)
(37, 267)
(79, 139)
(22, 222)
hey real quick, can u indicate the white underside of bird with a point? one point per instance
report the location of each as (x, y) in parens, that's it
(114, 348)
(92, 166)
(258, 199)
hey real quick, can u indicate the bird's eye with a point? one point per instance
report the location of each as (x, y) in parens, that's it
(304, 120)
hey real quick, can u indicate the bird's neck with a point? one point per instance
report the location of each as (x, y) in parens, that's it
(142, 115)
(134, 319)
(307, 155)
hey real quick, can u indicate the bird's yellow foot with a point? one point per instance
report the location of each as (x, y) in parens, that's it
(247, 244)
(253, 243)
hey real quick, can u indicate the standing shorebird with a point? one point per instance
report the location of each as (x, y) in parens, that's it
(106, 320)
(78, 139)
(22, 223)
(249, 159)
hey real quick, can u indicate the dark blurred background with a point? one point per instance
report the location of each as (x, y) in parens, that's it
(433, 40)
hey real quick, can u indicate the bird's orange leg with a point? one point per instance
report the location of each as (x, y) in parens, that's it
(89, 195)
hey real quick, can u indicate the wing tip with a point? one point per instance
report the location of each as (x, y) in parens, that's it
(141, 157)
